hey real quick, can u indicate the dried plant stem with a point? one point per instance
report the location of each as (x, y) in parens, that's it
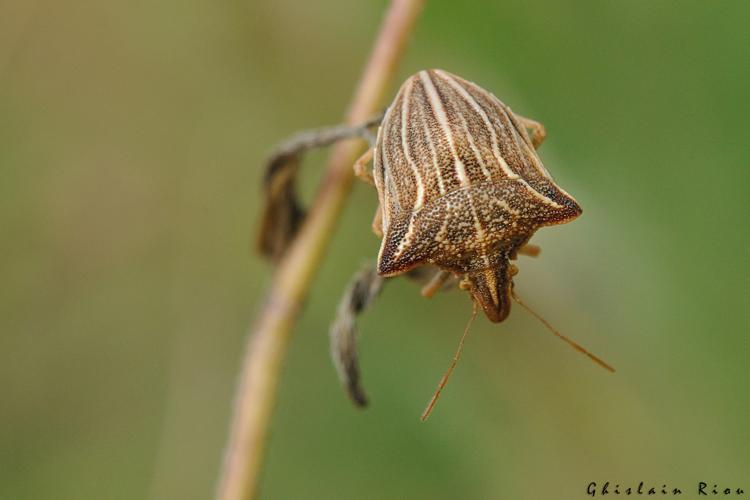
(268, 341)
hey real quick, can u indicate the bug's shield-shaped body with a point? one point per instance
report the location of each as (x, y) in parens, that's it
(460, 186)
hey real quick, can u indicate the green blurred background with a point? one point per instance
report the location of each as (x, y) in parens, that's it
(132, 136)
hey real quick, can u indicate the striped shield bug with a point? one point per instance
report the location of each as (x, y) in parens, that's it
(461, 191)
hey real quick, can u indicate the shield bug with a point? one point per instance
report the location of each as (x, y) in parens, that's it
(461, 186)
(461, 191)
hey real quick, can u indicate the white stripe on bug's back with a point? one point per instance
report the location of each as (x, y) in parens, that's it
(481, 234)
(433, 153)
(405, 107)
(529, 146)
(474, 149)
(442, 118)
(496, 119)
(539, 195)
(391, 185)
(475, 105)
(405, 240)
(443, 231)
(390, 196)
(519, 142)
(521, 145)
(379, 177)
(513, 135)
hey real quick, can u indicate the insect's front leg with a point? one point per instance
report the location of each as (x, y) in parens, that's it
(364, 173)
(432, 279)
(438, 281)
(359, 294)
(361, 170)
(282, 213)
(530, 250)
(538, 132)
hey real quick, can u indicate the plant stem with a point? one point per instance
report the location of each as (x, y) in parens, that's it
(267, 344)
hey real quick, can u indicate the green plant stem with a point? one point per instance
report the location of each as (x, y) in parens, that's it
(267, 344)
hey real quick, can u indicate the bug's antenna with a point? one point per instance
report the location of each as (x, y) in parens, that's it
(449, 371)
(565, 339)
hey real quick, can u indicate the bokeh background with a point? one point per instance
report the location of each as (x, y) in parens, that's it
(132, 136)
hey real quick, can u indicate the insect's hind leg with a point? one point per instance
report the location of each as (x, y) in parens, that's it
(359, 294)
(282, 213)
(538, 132)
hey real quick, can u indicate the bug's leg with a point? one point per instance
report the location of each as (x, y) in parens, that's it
(432, 279)
(282, 213)
(530, 250)
(359, 294)
(538, 132)
(436, 283)
(361, 170)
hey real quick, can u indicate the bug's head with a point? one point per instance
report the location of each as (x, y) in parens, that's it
(491, 288)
